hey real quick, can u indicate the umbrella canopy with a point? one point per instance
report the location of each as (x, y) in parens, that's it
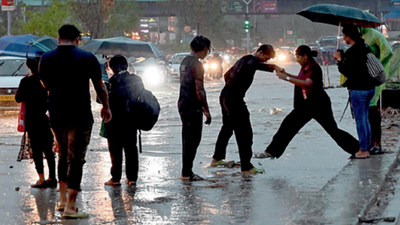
(123, 46)
(45, 43)
(17, 45)
(340, 15)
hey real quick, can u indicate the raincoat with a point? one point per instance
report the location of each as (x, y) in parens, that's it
(382, 50)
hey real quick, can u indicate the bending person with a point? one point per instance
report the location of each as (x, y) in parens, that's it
(310, 102)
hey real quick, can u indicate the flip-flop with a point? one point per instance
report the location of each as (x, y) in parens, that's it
(59, 208)
(79, 215)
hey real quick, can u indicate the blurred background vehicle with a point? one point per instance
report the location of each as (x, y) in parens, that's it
(285, 54)
(153, 71)
(175, 63)
(12, 70)
(213, 66)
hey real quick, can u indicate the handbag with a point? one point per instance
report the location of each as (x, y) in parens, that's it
(21, 117)
(375, 69)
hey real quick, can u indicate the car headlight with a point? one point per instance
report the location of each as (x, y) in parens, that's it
(174, 70)
(213, 66)
(282, 57)
(153, 76)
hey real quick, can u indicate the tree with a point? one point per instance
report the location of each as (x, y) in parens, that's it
(48, 22)
(102, 18)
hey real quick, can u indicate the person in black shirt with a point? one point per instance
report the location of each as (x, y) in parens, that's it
(235, 115)
(122, 129)
(66, 73)
(37, 124)
(192, 104)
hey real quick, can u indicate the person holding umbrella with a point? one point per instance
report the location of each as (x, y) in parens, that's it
(310, 102)
(352, 64)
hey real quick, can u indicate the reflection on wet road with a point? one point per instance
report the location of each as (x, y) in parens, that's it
(225, 197)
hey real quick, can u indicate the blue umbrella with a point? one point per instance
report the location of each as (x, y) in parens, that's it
(44, 43)
(17, 45)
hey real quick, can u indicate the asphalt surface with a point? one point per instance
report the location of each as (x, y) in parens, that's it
(312, 183)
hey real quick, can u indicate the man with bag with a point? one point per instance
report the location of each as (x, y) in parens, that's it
(66, 73)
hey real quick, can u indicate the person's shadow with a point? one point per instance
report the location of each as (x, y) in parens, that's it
(121, 203)
(46, 199)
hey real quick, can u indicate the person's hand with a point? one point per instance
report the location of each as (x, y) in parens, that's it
(281, 75)
(106, 114)
(279, 69)
(337, 55)
(208, 118)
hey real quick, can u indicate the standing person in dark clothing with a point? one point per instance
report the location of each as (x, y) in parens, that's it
(310, 102)
(66, 73)
(352, 64)
(235, 115)
(192, 104)
(121, 130)
(37, 124)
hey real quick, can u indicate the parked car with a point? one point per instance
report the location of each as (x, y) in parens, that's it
(153, 71)
(175, 63)
(12, 70)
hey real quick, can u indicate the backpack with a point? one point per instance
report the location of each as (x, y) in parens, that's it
(146, 109)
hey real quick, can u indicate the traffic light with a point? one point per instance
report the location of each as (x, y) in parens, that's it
(247, 25)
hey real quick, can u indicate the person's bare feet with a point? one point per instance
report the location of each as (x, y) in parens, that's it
(213, 162)
(362, 154)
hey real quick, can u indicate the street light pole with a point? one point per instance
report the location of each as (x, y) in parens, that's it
(8, 22)
(248, 33)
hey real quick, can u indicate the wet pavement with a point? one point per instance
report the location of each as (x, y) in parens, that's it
(312, 183)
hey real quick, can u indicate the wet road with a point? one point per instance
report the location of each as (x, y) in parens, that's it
(225, 197)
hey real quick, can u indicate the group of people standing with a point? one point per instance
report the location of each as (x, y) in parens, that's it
(60, 84)
(310, 100)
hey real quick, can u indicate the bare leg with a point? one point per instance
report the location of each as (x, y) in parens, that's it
(62, 202)
(70, 207)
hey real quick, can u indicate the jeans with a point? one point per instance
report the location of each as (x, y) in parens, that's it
(192, 125)
(360, 100)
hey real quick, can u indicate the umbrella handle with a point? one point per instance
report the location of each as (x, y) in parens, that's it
(338, 36)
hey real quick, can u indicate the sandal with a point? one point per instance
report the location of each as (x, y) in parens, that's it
(37, 185)
(193, 177)
(78, 215)
(130, 183)
(219, 163)
(263, 155)
(255, 170)
(59, 208)
(112, 183)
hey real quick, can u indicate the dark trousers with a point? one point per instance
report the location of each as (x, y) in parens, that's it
(238, 121)
(119, 141)
(192, 125)
(72, 142)
(374, 116)
(42, 142)
(299, 117)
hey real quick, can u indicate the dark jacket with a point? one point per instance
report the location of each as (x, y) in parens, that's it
(354, 67)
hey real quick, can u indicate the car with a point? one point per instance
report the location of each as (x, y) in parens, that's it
(12, 70)
(153, 71)
(175, 63)
(285, 54)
